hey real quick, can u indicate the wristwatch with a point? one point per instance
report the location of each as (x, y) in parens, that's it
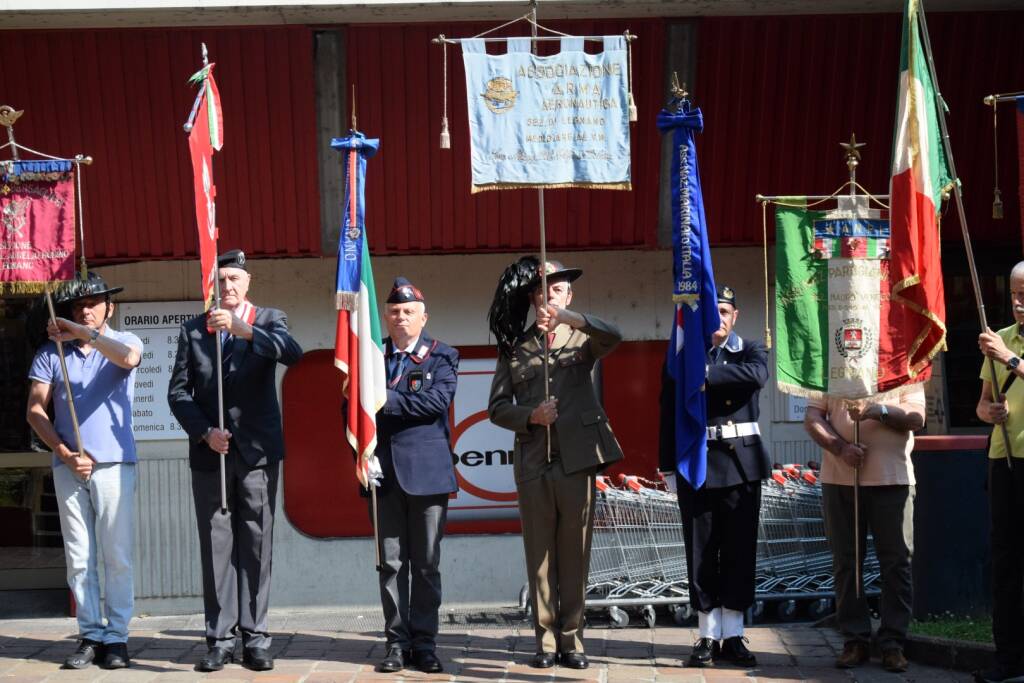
(94, 334)
(1013, 363)
(883, 415)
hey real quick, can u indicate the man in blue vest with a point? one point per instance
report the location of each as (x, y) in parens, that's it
(418, 475)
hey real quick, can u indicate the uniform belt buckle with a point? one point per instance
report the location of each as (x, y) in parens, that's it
(718, 433)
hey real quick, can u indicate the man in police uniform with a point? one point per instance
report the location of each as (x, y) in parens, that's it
(556, 491)
(236, 545)
(720, 518)
(414, 450)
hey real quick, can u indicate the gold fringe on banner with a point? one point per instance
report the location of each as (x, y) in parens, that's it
(473, 189)
(22, 287)
(346, 301)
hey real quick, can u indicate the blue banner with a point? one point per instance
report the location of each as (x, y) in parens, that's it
(555, 121)
(696, 315)
(357, 149)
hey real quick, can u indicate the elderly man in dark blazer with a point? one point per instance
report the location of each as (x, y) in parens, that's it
(235, 546)
(556, 486)
(720, 518)
(415, 454)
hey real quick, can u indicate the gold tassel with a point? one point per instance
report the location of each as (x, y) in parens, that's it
(997, 200)
(632, 109)
(446, 138)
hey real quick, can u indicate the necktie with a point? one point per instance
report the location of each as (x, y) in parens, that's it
(395, 367)
(227, 345)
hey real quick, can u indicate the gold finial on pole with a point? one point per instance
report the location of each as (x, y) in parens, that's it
(678, 91)
(852, 155)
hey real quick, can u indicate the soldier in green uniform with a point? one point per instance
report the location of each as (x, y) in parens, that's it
(556, 484)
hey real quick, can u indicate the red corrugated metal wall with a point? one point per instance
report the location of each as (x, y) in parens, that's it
(122, 96)
(418, 195)
(780, 93)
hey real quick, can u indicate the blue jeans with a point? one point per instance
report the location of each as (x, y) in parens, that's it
(97, 517)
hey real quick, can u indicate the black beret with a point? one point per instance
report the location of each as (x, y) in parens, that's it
(235, 258)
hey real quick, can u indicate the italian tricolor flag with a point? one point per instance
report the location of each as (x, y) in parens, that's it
(859, 299)
(358, 353)
(920, 174)
(358, 349)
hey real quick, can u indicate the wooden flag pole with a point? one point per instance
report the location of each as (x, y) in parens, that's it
(940, 104)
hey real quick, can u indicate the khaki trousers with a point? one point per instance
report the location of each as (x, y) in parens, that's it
(888, 511)
(557, 513)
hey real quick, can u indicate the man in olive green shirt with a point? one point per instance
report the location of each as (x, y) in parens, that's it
(1006, 485)
(556, 485)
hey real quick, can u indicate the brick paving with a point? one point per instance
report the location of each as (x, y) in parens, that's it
(166, 649)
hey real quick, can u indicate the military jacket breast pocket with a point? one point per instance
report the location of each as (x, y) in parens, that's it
(575, 364)
(523, 379)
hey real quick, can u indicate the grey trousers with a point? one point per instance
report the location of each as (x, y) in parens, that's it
(557, 511)
(235, 550)
(888, 511)
(410, 529)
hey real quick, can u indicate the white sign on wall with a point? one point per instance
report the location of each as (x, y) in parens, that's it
(156, 323)
(796, 406)
(487, 486)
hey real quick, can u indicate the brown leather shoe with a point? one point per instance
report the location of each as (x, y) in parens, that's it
(854, 654)
(893, 660)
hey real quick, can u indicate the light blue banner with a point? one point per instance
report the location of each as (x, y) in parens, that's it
(556, 121)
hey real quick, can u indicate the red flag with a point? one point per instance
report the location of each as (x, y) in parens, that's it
(206, 136)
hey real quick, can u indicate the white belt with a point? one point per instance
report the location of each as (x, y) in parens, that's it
(733, 431)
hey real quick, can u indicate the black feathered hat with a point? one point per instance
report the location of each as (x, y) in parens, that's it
(92, 285)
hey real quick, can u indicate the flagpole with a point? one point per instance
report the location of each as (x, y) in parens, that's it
(220, 345)
(852, 160)
(370, 484)
(940, 104)
(216, 301)
(79, 448)
(543, 253)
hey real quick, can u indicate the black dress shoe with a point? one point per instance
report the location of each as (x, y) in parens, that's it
(83, 656)
(704, 652)
(393, 661)
(215, 659)
(734, 650)
(575, 660)
(257, 659)
(115, 656)
(543, 660)
(427, 661)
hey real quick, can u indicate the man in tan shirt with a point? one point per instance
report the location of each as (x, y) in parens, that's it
(882, 453)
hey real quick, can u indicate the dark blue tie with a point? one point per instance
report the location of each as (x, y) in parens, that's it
(395, 366)
(227, 345)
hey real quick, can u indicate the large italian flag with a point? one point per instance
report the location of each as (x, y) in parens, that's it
(358, 353)
(920, 174)
(358, 350)
(859, 299)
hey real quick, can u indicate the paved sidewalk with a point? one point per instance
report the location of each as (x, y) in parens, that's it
(327, 646)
